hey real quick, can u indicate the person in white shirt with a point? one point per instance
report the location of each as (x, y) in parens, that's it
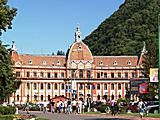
(57, 106)
(65, 106)
(141, 107)
(45, 106)
(80, 106)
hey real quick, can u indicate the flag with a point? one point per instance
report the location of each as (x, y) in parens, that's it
(93, 88)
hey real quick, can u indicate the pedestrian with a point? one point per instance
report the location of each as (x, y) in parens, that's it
(52, 105)
(141, 107)
(27, 107)
(61, 105)
(80, 106)
(112, 103)
(74, 106)
(57, 107)
(45, 106)
(83, 106)
(65, 106)
(69, 106)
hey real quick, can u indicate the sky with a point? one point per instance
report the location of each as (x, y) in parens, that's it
(46, 26)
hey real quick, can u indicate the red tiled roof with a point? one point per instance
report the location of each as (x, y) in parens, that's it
(112, 61)
(39, 60)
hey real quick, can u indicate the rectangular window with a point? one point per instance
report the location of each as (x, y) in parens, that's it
(49, 75)
(133, 75)
(28, 74)
(62, 75)
(126, 75)
(17, 97)
(98, 75)
(35, 74)
(101, 73)
(112, 75)
(105, 75)
(41, 74)
(41, 97)
(119, 75)
(55, 75)
(18, 74)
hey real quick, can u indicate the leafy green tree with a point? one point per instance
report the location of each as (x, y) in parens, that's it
(6, 16)
(125, 30)
(8, 82)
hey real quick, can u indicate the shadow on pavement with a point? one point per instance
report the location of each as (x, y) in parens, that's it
(107, 119)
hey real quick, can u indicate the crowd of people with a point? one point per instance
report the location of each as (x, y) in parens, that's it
(67, 106)
(72, 106)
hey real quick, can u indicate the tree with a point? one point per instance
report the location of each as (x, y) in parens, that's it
(6, 16)
(8, 82)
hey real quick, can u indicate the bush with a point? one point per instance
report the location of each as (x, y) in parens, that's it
(5, 110)
(34, 108)
(102, 108)
(123, 109)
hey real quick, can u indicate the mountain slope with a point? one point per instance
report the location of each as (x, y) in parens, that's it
(123, 32)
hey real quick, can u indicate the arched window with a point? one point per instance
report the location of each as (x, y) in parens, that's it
(28, 97)
(112, 97)
(28, 86)
(35, 86)
(41, 97)
(80, 73)
(88, 74)
(62, 86)
(55, 86)
(17, 97)
(49, 97)
(48, 86)
(41, 86)
(98, 87)
(98, 97)
(119, 96)
(112, 86)
(119, 86)
(105, 86)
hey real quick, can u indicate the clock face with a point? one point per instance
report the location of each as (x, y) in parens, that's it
(80, 65)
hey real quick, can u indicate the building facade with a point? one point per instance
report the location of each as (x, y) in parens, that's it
(44, 77)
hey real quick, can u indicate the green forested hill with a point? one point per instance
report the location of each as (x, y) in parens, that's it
(123, 32)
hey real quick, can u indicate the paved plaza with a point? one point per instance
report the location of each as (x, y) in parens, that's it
(61, 116)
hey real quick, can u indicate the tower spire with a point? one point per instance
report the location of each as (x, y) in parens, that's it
(144, 51)
(13, 46)
(78, 34)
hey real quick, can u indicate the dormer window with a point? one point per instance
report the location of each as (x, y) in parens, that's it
(58, 63)
(101, 63)
(115, 63)
(44, 62)
(129, 62)
(79, 46)
(30, 62)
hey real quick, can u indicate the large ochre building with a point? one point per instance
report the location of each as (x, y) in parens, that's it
(44, 77)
